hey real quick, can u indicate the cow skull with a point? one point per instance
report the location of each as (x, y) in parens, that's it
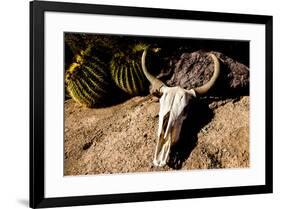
(174, 103)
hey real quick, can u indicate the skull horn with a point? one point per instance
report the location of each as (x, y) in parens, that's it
(155, 82)
(173, 103)
(206, 87)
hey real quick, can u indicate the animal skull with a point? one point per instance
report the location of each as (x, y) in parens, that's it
(174, 104)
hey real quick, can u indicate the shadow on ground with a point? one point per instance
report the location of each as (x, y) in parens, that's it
(198, 117)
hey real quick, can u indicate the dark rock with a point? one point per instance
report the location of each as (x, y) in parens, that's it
(194, 69)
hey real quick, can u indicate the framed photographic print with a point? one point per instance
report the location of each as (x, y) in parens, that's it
(135, 104)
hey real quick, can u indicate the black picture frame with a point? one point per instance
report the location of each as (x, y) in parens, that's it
(37, 115)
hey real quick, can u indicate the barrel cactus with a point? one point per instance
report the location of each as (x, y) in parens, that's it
(126, 71)
(88, 80)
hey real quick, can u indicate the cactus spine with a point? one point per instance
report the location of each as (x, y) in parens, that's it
(126, 71)
(87, 80)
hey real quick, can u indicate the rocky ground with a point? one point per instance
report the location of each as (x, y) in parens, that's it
(122, 138)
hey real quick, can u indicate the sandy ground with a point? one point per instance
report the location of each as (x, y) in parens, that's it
(122, 138)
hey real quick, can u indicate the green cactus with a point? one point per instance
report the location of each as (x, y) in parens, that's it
(90, 76)
(126, 71)
(87, 80)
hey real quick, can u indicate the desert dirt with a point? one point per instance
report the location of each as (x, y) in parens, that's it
(122, 138)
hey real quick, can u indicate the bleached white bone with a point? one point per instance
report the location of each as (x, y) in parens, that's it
(174, 103)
